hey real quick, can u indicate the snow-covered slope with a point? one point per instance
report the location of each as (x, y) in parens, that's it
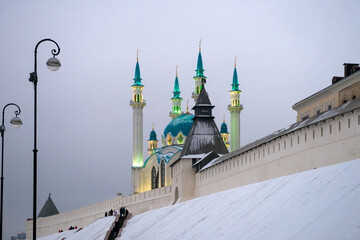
(318, 204)
(95, 231)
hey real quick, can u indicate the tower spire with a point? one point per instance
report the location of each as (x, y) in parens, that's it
(137, 78)
(176, 99)
(199, 78)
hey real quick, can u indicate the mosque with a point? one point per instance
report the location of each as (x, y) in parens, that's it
(154, 171)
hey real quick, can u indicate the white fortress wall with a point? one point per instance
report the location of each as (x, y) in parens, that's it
(325, 143)
(136, 203)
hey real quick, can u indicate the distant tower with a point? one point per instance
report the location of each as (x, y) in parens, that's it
(137, 103)
(225, 134)
(235, 108)
(176, 99)
(153, 142)
(199, 78)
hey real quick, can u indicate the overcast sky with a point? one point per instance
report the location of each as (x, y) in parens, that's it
(286, 50)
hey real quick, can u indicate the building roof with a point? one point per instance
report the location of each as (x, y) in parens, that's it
(223, 128)
(182, 124)
(338, 86)
(204, 135)
(176, 91)
(152, 135)
(49, 208)
(342, 109)
(164, 153)
(137, 79)
(235, 83)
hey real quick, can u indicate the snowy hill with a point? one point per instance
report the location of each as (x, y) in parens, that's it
(318, 204)
(95, 231)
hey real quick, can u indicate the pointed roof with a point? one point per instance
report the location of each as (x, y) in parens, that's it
(49, 208)
(200, 69)
(137, 79)
(176, 87)
(204, 135)
(235, 83)
(224, 127)
(153, 135)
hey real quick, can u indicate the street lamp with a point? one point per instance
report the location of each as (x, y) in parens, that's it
(53, 64)
(16, 122)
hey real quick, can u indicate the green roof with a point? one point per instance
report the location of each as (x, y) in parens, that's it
(137, 79)
(235, 84)
(153, 136)
(176, 88)
(224, 128)
(199, 70)
(182, 124)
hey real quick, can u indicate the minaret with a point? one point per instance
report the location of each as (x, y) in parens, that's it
(153, 142)
(199, 79)
(224, 133)
(137, 103)
(176, 99)
(235, 108)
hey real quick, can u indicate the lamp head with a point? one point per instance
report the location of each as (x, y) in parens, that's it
(53, 64)
(16, 122)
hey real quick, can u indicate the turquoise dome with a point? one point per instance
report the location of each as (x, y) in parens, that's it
(224, 128)
(182, 124)
(152, 136)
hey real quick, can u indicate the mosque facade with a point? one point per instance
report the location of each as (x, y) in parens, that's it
(153, 171)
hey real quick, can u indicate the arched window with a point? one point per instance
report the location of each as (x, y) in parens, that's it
(169, 140)
(153, 178)
(134, 97)
(162, 173)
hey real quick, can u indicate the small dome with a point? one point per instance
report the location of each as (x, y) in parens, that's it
(224, 128)
(152, 136)
(182, 124)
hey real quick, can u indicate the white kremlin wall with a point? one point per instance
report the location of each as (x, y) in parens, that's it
(327, 142)
(136, 203)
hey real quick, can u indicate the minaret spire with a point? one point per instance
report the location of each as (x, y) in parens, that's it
(235, 108)
(176, 99)
(137, 103)
(199, 78)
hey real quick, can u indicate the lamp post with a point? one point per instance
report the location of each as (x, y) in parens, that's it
(53, 64)
(16, 122)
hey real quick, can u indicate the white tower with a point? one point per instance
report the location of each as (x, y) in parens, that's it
(235, 108)
(137, 103)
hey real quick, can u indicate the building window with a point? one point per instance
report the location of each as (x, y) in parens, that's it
(162, 173)
(305, 137)
(344, 101)
(313, 134)
(339, 126)
(322, 132)
(298, 139)
(329, 107)
(353, 97)
(153, 178)
(349, 123)
(330, 129)
(291, 142)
